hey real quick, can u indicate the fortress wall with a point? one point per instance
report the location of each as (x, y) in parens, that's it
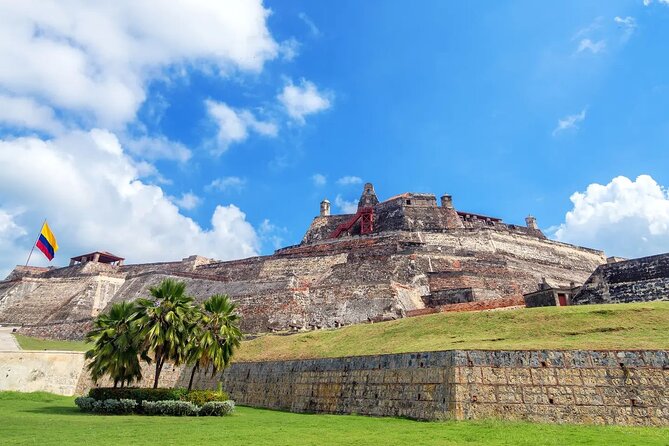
(33, 371)
(31, 300)
(637, 280)
(330, 283)
(44, 301)
(600, 387)
(502, 264)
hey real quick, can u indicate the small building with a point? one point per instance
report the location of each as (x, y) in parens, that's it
(99, 257)
(551, 296)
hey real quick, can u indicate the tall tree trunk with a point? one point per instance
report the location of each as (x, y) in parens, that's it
(159, 367)
(192, 375)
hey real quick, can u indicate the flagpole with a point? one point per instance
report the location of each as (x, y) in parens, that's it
(36, 240)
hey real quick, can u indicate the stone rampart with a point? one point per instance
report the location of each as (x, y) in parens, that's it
(601, 387)
(33, 371)
(637, 280)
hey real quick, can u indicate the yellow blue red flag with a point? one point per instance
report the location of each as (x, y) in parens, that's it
(47, 242)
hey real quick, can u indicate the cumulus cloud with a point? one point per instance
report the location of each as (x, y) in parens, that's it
(90, 191)
(569, 122)
(624, 217)
(345, 206)
(348, 180)
(319, 179)
(589, 45)
(226, 184)
(188, 201)
(95, 58)
(11, 234)
(304, 99)
(234, 125)
(29, 114)
(159, 147)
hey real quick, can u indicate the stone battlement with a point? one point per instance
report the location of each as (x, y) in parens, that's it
(411, 212)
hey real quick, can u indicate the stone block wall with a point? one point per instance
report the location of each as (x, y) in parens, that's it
(637, 280)
(414, 385)
(601, 387)
(31, 371)
(594, 387)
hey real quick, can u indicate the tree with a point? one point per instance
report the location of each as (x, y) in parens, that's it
(115, 345)
(215, 336)
(164, 322)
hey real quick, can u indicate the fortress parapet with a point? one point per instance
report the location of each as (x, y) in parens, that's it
(409, 211)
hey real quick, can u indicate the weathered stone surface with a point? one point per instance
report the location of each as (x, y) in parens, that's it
(27, 371)
(572, 386)
(419, 256)
(637, 280)
(601, 387)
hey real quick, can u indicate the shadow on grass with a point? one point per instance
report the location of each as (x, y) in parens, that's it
(56, 410)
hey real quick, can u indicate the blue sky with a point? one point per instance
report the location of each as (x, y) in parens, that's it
(210, 128)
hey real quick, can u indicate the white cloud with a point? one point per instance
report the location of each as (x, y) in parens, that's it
(226, 184)
(27, 113)
(310, 24)
(593, 47)
(569, 122)
(628, 25)
(626, 218)
(648, 2)
(188, 201)
(319, 179)
(234, 125)
(304, 99)
(95, 58)
(348, 180)
(347, 207)
(88, 188)
(159, 147)
(271, 234)
(289, 49)
(10, 235)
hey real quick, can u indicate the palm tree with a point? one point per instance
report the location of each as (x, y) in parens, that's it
(216, 336)
(164, 323)
(115, 345)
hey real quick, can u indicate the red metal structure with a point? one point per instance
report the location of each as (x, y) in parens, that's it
(366, 217)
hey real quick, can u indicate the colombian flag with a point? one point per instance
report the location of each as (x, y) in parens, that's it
(47, 242)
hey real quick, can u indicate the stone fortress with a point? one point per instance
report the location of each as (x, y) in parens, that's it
(400, 257)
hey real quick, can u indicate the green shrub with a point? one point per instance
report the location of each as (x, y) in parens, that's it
(137, 394)
(174, 408)
(115, 407)
(200, 397)
(217, 408)
(85, 403)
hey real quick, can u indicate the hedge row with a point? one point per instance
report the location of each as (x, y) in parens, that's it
(163, 407)
(197, 397)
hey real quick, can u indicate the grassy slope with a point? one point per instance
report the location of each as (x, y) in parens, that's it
(28, 343)
(622, 326)
(45, 419)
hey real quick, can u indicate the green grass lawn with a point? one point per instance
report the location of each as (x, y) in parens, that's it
(45, 419)
(28, 343)
(621, 326)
